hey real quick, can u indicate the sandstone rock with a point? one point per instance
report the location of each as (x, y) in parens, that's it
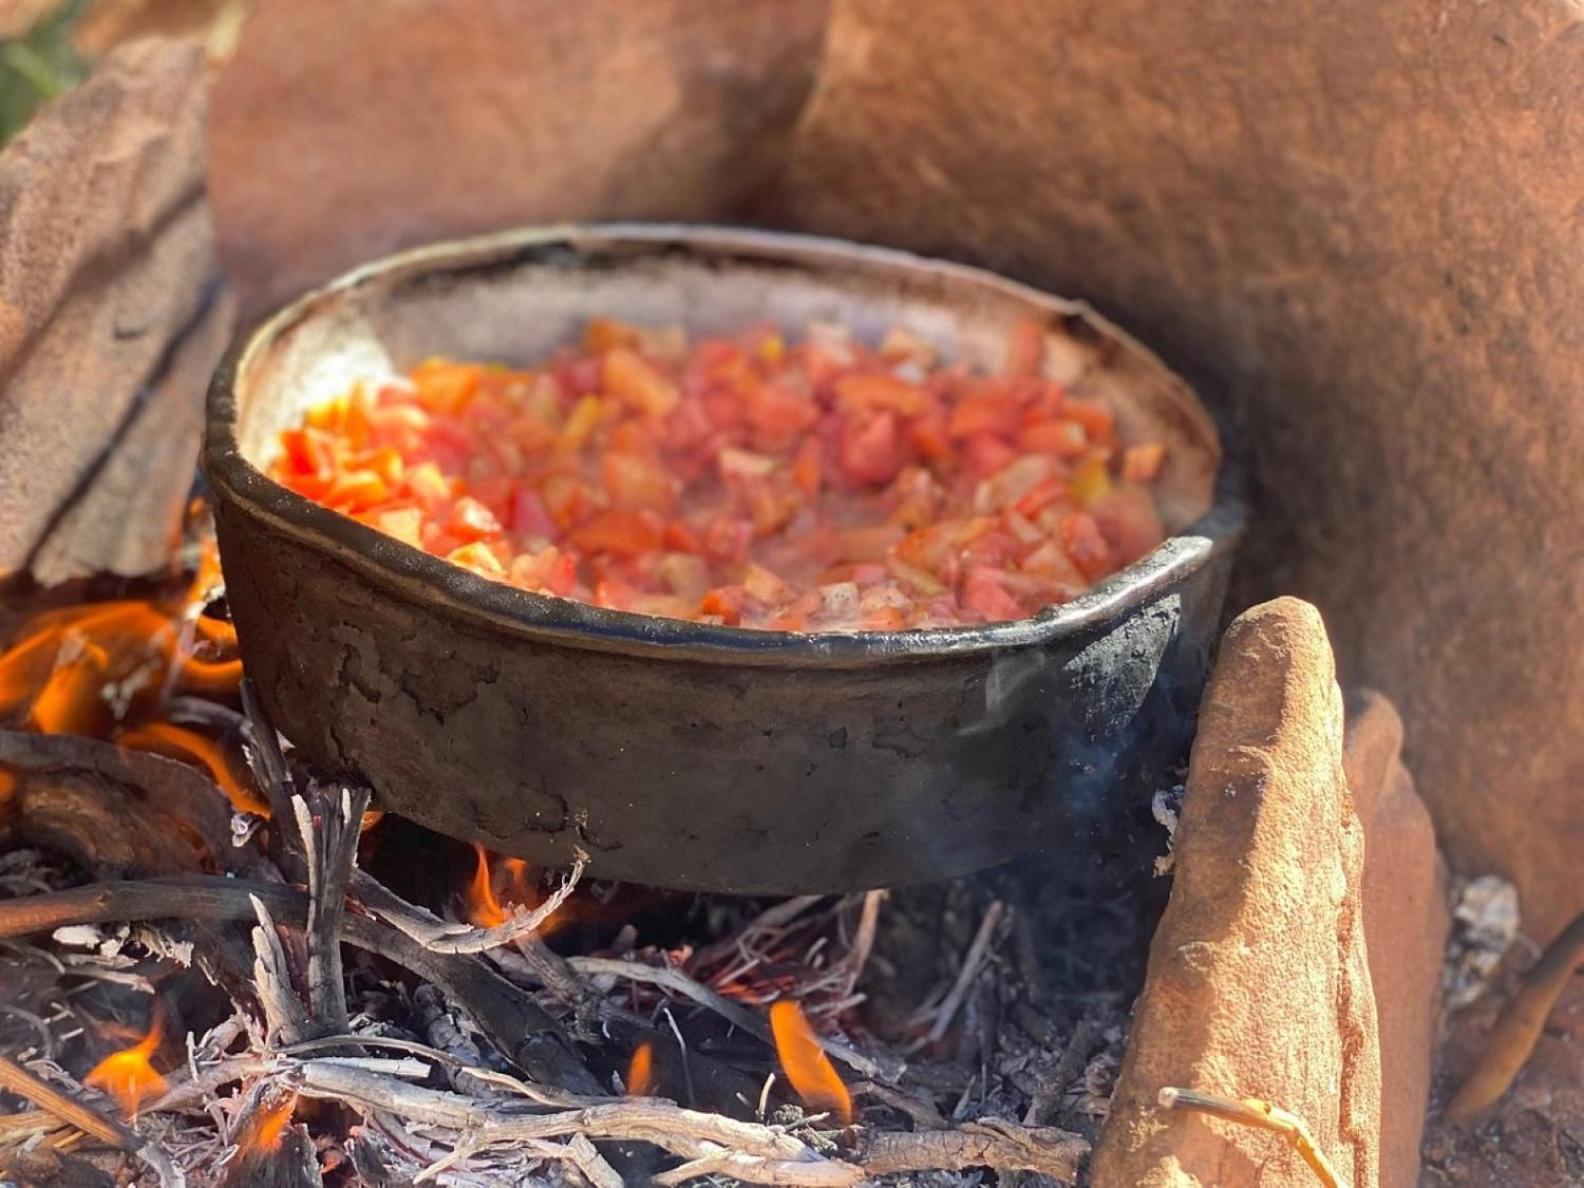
(344, 131)
(1405, 923)
(1258, 982)
(1355, 227)
(111, 317)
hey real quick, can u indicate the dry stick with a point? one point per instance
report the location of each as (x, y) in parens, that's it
(1250, 1111)
(18, 1080)
(773, 916)
(286, 1021)
(973, 961)
(681, 984)
(517, 1025)
(332, 837)
(1513, 1038)
(863, 939)
(989, 1142)
(746, 1150)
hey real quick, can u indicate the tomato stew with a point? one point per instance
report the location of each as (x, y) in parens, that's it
(820, 485)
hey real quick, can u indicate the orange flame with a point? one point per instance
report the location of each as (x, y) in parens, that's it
(268, 1127)
(484, 910)
(640, 1072)
(805, 1062)
(486, 907)
(64, 659)
(127, 1075)
(163, 738)
(8, 783)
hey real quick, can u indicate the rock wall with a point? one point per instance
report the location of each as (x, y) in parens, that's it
(1357, 227)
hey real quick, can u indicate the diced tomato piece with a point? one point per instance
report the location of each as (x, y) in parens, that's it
(404, 523)
(635, 482)
(478, 557)
(880, 390)
(988, 413)
(628, 534)
(725, 603)
(1129, 522)
(309, 451)
(1064, 439)
(604, 334)
(779, 412)
(550, 569)
(870, 544)
(630, 377)
(726, 538)
(1098, 420)
(987, 453)
(1087, 547)
(356, 489)
(1025, 348)
(445, 388)
(870, 448)
(809, 468)
(529, 515)
(930, 436)
(680, 536)
(471, 520)
(1142, 463)
(985, 594)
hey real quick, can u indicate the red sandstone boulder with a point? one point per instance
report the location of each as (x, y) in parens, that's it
(344, 131)
(1258, 982)
(112, 316)
(1405, 923)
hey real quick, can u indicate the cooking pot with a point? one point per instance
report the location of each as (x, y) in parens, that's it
(680, 754)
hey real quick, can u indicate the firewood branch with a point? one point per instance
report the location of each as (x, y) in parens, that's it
(517, 1025)
(1513, 1038)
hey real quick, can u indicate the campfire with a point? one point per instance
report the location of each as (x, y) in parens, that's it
(488, 1015)
(684, 702)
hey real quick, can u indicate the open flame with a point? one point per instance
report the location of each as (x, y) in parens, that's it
(495, 893)
(268, 1128)
(178, 742)
(127, 1075)
(805, 1062)
(640, 1071)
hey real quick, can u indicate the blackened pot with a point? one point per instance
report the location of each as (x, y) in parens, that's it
(684, 755)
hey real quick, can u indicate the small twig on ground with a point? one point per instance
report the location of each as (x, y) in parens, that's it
(1513, 1038)
(1251, 1111)
(973, 962)
(989, 1142)
(1048, 1097)
(16, 1079)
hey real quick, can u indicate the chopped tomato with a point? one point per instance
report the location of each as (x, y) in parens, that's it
(629, 534)
(871, 449)
(818, 485)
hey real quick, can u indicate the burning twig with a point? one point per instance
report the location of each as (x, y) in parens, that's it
(16, 1079)
(444, 936)
(1518, 1030)
(1250, 1111)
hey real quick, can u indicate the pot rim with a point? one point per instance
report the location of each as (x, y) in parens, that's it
(479, 601)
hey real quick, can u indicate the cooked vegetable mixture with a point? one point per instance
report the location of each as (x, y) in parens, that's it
(820, 485)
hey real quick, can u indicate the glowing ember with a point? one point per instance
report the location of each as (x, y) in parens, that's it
(268, 1127)
(805, 1062)
(180, 743)
(640, 1072)
(8, 783)
(128, 1076)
